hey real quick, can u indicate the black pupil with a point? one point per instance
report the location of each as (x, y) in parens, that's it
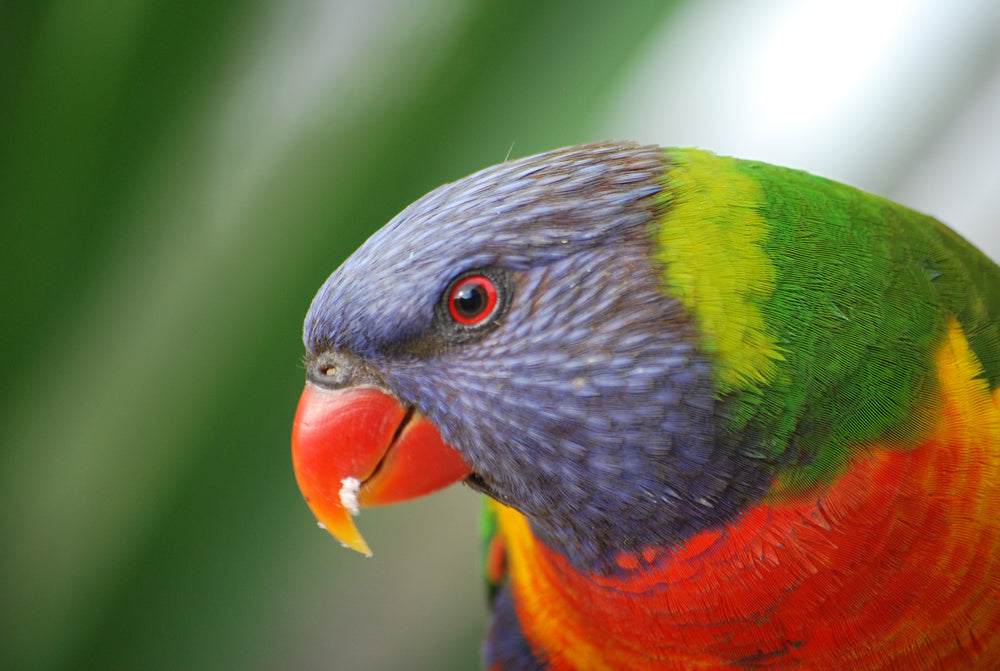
(470, 299)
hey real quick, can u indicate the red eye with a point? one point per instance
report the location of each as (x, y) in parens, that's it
(472, 300)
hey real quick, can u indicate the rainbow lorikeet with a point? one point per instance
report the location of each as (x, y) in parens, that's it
(727, 415)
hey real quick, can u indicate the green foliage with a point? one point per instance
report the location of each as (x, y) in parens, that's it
(865, 292)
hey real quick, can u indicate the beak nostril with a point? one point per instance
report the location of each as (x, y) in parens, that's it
(336, 369)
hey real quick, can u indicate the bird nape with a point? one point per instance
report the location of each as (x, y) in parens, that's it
(726, 415)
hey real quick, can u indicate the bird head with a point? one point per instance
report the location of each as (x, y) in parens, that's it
(514, 330)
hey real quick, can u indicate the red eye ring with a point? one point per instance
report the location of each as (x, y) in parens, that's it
(472, 300)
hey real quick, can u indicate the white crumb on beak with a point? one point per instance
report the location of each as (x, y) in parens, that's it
(349, 494)
(321, 525)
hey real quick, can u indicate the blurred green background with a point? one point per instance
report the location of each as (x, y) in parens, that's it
(178, 178)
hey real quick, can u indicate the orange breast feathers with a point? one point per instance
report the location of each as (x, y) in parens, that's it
(896, 565)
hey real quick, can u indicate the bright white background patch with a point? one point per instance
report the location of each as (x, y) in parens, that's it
(847, 89)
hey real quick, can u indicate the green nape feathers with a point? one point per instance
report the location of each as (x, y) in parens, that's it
(831, 299)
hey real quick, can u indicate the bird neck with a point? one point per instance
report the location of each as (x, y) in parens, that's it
(896, 564)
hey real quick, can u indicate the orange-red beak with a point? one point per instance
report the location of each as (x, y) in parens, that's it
(361, 447)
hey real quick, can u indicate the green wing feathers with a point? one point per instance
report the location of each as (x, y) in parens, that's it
(821, 305)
